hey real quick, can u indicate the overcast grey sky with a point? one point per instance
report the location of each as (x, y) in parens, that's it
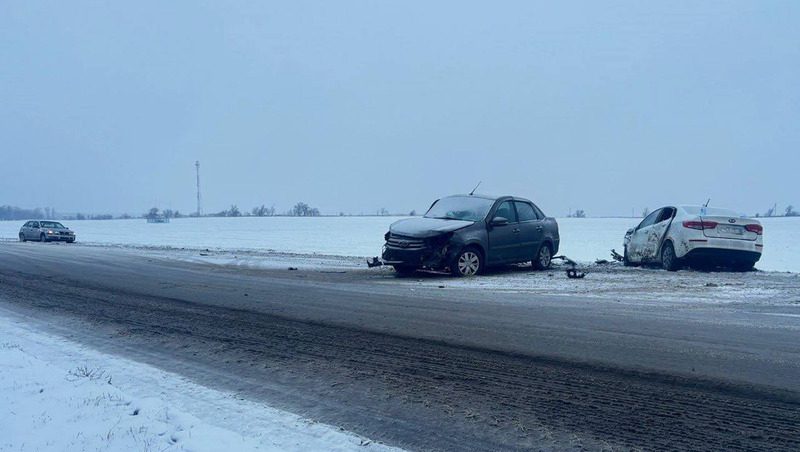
(354, 106)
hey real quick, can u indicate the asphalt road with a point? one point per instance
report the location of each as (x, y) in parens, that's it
(428, 368)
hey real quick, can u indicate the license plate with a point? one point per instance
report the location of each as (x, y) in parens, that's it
(735, 230)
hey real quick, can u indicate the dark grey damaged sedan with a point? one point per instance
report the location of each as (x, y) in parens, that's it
(464, 234)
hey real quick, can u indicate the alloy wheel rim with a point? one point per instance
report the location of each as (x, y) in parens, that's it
(468, 263)
(544, 256)
(668, 254)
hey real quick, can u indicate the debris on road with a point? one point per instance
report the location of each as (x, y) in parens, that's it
(572, 272)
(375, 262)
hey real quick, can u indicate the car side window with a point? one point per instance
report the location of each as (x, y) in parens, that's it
(649, 220)
(666, 214)
(35, 224)
(539, 212)
(525, 211)
(27, 225)
(506, 210)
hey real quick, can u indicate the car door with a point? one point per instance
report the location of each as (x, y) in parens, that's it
(638, 250)
(659, 231)
(503, 239)
(24, 230)
(33, 230)
(531, 228)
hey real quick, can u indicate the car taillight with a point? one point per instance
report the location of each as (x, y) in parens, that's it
(757, 228)
(700, 225)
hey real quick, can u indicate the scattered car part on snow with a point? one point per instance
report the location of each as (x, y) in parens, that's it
(572, 271)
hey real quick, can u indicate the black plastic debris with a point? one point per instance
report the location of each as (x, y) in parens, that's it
(572, 271)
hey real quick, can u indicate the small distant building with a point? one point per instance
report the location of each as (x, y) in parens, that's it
(157, 219)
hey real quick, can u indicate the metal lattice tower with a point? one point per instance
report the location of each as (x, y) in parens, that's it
(197, 167)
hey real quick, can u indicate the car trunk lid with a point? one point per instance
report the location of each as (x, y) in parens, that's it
(729, 227)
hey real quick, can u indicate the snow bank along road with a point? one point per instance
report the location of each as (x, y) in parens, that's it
(462, 367)
(57, 395)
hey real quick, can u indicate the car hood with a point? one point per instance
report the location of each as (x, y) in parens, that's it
(427, 227)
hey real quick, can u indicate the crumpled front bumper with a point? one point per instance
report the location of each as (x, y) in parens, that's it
(431, 257)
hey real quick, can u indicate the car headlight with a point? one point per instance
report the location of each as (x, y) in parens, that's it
(441, 240)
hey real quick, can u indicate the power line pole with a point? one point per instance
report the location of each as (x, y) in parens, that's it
(197, 167)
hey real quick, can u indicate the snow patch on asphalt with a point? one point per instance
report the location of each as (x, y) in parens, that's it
(58, 395)
(610, 280)
(613, 281)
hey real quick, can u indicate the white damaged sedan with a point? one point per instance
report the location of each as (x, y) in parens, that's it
(707, 236)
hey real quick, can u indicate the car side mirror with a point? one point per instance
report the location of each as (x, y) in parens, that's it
(499, 221)
(630, 231)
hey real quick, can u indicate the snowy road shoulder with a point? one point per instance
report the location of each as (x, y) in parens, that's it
(58, 395)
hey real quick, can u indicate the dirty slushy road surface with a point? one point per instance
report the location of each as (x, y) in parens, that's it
(433, 363)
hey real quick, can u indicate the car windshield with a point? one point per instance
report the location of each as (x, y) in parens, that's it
(468, 208)
(52, 224)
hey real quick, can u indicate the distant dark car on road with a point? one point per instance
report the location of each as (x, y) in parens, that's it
(45, 231)
(464, 234)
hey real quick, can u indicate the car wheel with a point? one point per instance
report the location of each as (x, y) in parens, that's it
(404, 270)
(669, 261)
(469, 262)
(22, 237)
(42, 238)
(543, 258)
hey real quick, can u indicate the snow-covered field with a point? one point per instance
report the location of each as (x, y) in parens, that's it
(56, 395)
(584, 239)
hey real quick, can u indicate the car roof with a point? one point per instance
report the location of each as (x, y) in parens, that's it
(711, 211)
(491, 197)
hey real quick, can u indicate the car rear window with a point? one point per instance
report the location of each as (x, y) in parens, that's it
(711, 211)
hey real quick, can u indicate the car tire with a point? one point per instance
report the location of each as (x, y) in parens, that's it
(669, 261)
(404, 270)
(543, 258)
(468, 262)
(22, 237)
(43, 238)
